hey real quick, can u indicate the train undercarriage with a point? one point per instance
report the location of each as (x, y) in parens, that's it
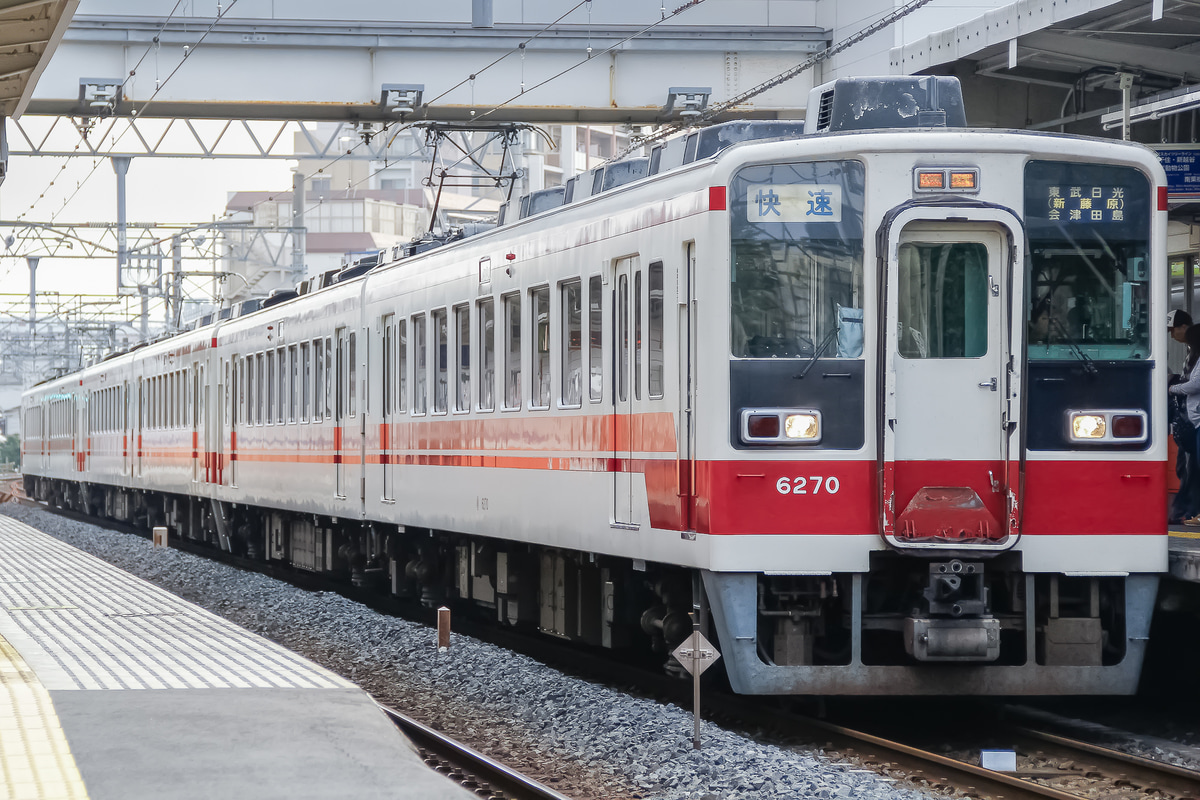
(910, 625)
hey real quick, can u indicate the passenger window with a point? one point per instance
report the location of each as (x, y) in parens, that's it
(656, 330)
(319, 378)
(306, 382)
(595, 339)
(293, 383)
(329, 376)
(462, 345)
(572, 344)
(420, 366)
(389, 365)
(487, 362)
(541, 347)
(281, 372)
(512, 351)
(402, 365)
(440, 354)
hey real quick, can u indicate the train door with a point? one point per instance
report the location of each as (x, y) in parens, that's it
(623, 375)
(948, 384)
(388, 387)
(83, 428)
(235, 407)
(340, 410)
(199, 459)
(139, 419)
(687, 360)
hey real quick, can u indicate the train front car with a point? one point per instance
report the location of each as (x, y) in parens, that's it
(941, 465)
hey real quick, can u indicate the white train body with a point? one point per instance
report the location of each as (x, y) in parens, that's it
(945, 521)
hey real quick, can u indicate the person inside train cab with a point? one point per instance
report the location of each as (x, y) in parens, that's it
(1186, 508)
(1039, 321)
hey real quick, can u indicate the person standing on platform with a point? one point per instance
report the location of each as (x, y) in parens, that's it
(1185, 422)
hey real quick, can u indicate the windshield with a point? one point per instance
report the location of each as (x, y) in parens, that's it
(796, 261)
(1089, 272)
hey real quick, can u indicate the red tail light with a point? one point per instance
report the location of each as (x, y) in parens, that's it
(763, 426)
(1127, 427)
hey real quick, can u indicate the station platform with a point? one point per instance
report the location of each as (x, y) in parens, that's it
(1184, 554)
(114, 689)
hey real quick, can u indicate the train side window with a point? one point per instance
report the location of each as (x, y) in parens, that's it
(595, 339)
(487, 350)
(269, 406)
(540, 318)
(655, 352)
(462, 350)
(638, 342)
(260, 392)
(294, 383)
(571, 320)
(328, 377)
(281, 372)
(352, 372)
(512, 352)
(420, 366)
(318, 349)
(402, 365)
(306, 382)
(440, 355)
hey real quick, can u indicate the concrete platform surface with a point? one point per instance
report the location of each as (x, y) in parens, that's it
(114, 689)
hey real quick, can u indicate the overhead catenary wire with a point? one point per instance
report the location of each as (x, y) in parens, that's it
(713, 111)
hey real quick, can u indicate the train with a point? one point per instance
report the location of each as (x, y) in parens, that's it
(872, 399)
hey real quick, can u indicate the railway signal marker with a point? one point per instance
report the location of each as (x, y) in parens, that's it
(696, 654)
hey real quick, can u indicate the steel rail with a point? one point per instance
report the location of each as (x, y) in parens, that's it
(485, 771)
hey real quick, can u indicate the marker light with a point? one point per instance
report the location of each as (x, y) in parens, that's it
(931, 180)
(1128, 426)
(763, 426)
(802, 426)
(962, 180)
(1087, 426)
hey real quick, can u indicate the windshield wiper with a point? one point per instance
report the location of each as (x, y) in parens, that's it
(1076, 351)
(829, 337)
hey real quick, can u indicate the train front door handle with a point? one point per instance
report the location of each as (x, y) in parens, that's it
(993, 384)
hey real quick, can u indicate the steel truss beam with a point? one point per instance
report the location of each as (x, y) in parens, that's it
(66, 137)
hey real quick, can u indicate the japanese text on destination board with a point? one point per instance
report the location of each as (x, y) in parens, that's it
(1085, 203)
(794, 202)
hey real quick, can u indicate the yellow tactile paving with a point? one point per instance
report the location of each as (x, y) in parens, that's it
(35, 759)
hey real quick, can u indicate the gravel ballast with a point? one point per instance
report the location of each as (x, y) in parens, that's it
(588, 741)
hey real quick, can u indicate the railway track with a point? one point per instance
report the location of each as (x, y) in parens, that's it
(473, 770)
(1049, 765)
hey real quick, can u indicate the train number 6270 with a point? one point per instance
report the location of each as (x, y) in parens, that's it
(814, 484)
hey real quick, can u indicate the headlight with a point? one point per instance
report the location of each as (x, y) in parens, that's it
(1107, 426)
(802, 426)
(780, 426)
(1088, 426)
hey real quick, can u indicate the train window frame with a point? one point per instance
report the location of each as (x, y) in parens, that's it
(352, 372)
(420, 359)
(387, 386)
(511, 398)
(570, 322)
(269, 404)
(595, 334)
(293, 413)
(305, 382)
(329, 377)
(541, 350)
(656, 369)
(462, 358)
(779, 244)
(318, 350)
(281, 375)
(402, 365)
(486, 400)
(441, 361)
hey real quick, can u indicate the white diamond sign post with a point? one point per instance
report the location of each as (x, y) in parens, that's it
(696, 654)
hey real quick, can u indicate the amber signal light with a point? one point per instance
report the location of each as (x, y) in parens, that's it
(931, 180)
(962, 180)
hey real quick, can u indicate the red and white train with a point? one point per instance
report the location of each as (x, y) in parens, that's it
(882, 399)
